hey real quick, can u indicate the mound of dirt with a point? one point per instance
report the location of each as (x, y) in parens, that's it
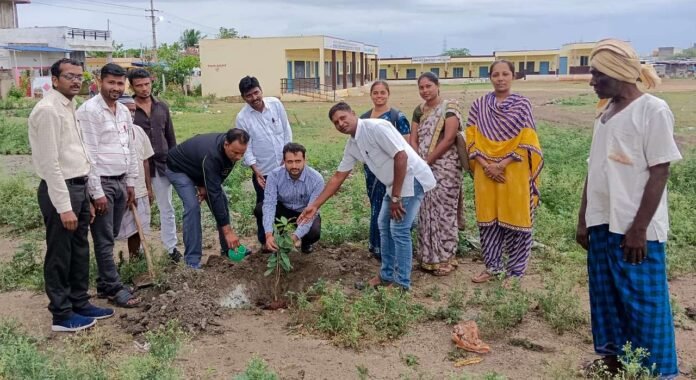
(197, 311)
(199, 299)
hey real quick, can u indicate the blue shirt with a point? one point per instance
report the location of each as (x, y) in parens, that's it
(293, 194)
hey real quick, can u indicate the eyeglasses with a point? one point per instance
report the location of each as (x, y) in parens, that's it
(72, 77)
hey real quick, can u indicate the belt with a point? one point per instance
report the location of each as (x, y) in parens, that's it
(114, 177)
(76, 181)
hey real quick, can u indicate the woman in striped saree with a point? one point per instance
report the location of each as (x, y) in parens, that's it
(506, 159)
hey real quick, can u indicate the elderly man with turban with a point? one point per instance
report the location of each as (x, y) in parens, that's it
(623, 221)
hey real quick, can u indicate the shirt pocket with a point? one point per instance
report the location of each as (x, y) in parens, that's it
(624, 146)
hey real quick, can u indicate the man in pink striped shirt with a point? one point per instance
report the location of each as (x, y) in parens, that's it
(106, 126)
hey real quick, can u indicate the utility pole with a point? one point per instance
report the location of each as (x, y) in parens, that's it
(152, 11)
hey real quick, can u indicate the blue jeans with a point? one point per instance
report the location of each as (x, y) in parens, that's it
(396, 245)
(193, 233)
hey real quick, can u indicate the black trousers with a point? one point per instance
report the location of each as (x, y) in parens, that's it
(66, 266)
(259, 200)
(312, 236)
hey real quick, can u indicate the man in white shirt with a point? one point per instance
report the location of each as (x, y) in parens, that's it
(407, 177)
(106, 127)
(265, 120)
(61, 161)
(623, 219)
(143, 187)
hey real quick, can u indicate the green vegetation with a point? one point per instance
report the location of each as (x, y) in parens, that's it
(21, 357)
(559, 304)
(19, 208)
(14, 138)
(24, 271)
(633, 363)
(257, 369)
(501, 308)
(452, 312)
(374, 315)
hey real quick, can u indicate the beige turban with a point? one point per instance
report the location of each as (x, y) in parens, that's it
(619, 60)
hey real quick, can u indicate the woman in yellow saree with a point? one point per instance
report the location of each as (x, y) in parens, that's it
(506, 159)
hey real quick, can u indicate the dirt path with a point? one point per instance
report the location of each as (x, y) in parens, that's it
(240, 334)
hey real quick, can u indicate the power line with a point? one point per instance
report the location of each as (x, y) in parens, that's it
(190, 21)
(86, 9)
(110, 4)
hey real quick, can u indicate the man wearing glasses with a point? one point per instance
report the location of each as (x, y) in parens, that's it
(61, 161)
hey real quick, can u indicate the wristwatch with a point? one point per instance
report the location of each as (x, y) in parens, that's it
(395, 199)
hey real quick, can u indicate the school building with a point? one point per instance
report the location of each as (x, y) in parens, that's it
(569, 61)
(320, 67)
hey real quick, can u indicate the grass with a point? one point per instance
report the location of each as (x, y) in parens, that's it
(501, 309)
(19, 209)
(22, 358)
(559, 305)
(372, 316)
(14, 138)
(257, 369)
(452, 312)
(24, 271)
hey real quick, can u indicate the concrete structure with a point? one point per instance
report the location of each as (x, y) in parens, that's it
(567, 62)
(442, 66)
(94, 64)
(8, 13)
(314, 66)
(35, 49)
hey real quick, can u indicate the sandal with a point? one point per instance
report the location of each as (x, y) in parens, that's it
(377, 281)
(482, 277)
(102, 294)
(125, 298)
(443, 270)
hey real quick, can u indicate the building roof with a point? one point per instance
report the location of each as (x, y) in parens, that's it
(35, 48)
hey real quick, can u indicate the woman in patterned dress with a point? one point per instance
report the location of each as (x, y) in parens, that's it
(434, 129)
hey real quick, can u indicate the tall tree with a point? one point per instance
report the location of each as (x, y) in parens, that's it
(227, 33)
(191, 37)
(457, 52)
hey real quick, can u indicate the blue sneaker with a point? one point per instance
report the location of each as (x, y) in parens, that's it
(75, 322)
(95, 312)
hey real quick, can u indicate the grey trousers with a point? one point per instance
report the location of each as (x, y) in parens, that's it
(104, 231)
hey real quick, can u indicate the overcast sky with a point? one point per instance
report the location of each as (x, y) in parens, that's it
(398, 27)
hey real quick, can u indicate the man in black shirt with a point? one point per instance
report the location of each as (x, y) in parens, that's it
(152, 115)
(197, 168)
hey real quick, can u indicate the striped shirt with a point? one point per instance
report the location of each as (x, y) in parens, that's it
(293, 194)
(106, 137)
(269, 131)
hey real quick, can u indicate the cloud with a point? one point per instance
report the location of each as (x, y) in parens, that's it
(400, 27)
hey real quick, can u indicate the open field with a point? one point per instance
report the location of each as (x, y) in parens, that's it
(538, 331)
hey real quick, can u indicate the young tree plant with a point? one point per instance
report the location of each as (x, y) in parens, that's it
(280, 261)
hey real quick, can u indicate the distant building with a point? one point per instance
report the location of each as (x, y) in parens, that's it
(570, 60)
(306, 66)
(35, 49)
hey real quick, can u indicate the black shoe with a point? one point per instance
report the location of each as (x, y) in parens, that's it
(175, 256)
(307, 249)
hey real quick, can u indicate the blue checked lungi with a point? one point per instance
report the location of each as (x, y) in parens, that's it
(630, 303)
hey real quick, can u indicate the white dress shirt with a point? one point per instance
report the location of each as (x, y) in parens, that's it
(269, 131)
(376, 142)
(622, 152)
(57, 149)
(107, 139)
